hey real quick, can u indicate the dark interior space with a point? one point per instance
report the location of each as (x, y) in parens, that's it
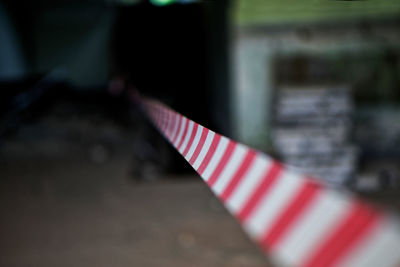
(162, 51)
(175, 53)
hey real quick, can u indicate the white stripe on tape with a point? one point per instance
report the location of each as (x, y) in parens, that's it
(195, 143)
(219, 152)
(229, 169)
(272, 204)
(168, 124)
(384, 240)
(204, 150)
(186, 137)
(248, 184)
(324, 213)
(175, 127)
(181, 129)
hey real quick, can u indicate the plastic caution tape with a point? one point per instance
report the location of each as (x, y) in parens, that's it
(296, 220)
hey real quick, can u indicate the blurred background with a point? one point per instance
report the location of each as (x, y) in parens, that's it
(86, 180)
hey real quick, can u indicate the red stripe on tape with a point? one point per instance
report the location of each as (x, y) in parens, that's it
(200, 145)
(360, 220)
(174, 129)
(297, 206)
(186, 125)
(167, 122)
(194, 131)
(240, 172)
(170, 124)
(221, 164)
(265, 186)
(210, 153)
(180, 120)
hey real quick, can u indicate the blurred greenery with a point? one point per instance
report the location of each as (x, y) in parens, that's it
(254, 12)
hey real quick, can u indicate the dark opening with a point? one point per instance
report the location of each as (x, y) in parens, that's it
(162, 51)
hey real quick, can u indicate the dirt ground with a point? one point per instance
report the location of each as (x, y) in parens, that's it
(69, 196)
(75, 212)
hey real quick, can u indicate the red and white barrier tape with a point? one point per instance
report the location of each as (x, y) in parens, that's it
(295, 219)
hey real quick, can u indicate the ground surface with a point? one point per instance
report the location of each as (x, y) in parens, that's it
(82, 185)
(70, 195)
(74, 212)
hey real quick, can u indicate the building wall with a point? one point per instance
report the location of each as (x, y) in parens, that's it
(256, 49)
